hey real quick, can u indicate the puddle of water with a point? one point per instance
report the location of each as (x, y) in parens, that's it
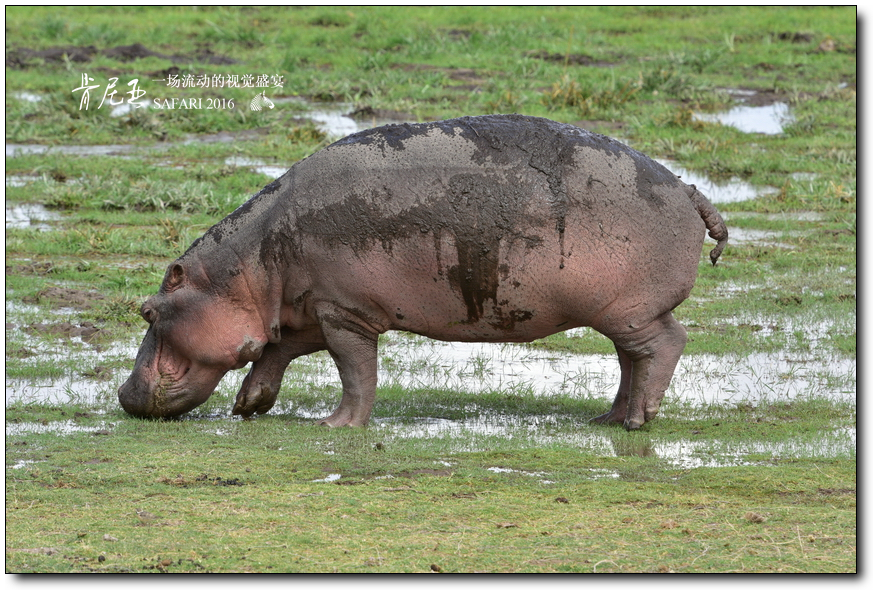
(480, 367)
(330, 478)
(58, 427)
(14, 150)
(768, 120)
(334, 123)
(21, 464)
(29, 215)
(803, 176)
(760, 378)
(258, 166)
(337, 124)
(729, 191)
(473, 434)
(19, 180)
(540, 474)
(784, 216)
(420, 363)
(759, 237)
(71, 387)
(335, 120)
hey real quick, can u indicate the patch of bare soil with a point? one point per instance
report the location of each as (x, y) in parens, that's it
(575, 59)
(763, 98)
(605, 127)
(22, 57)
(34, 268)
(229, 136)
(368, 112)
(86, 330)
(472, 77)
(63, 297)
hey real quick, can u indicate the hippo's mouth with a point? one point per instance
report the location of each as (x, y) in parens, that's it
(167, 395)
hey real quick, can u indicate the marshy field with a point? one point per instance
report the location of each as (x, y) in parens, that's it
(479, 457)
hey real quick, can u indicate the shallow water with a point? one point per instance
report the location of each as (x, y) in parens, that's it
(122, 150)
(768, 120)
(686, 453)
(417, 362)
(29, 215)
(257, 165)
(729, 191)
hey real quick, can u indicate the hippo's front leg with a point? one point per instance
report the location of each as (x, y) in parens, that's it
(353, 345)
(261, 386)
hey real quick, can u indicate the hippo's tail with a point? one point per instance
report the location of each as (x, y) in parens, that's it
(714, 223)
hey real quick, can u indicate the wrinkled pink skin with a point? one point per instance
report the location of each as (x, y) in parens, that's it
(494, 229)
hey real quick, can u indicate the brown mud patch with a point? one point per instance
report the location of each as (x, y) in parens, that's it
(760, 98)
(573, 59)
(472, 78)
(34, 268)
(601, 126)
(367, 112)
(23, 57)
(63, 297)
(86, 330)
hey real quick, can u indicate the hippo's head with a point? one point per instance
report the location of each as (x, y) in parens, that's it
(199, 329)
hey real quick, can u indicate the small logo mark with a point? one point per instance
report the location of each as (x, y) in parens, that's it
(260, 101)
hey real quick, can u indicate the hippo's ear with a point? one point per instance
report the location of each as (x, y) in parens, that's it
(174, 278)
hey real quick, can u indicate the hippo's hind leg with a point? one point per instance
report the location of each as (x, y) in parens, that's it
(653, 352)
(617, 413)
(353, 346)
(260, 388)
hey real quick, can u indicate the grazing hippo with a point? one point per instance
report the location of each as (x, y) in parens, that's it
(486, 229)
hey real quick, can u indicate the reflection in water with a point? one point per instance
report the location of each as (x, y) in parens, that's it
(625, 447)
(768, 119)
(29, 215)
(728, 191)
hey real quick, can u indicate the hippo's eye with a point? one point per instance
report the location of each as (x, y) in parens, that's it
(147, 314)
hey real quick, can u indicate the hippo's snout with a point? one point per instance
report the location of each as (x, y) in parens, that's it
(148, 394)
(137, 397)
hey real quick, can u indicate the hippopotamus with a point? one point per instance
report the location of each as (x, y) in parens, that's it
(502, 228)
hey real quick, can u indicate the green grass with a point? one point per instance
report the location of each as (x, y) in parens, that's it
(447, 478)
(245, 496)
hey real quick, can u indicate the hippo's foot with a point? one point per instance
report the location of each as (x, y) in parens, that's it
(341, 417)
(257, 399)
(610, 417)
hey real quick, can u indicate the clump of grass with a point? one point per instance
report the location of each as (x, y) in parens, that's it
(118, 192)
(586, 100)
(506, 102)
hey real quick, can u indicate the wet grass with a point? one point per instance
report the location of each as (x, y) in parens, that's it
(201, 495)
(448, 478)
